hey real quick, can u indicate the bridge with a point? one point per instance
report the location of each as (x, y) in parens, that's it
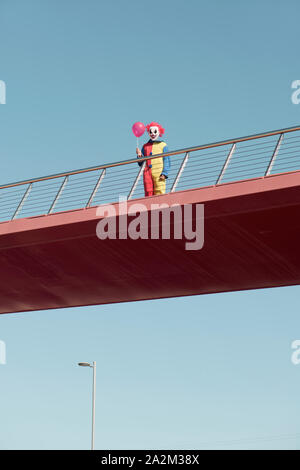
(51, 256)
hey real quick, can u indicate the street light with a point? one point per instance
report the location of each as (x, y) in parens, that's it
(87, 364)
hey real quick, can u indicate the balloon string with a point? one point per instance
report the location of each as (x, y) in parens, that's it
(137, 142)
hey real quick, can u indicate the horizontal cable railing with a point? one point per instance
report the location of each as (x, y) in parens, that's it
(231, 160)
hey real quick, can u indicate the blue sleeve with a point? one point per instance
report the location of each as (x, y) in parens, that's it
(167, 163)
(140, 163)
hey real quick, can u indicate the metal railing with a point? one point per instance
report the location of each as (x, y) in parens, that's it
(231, 160)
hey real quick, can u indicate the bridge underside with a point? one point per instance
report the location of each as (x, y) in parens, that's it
(251, 241)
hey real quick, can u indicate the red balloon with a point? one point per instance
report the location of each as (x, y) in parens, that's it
(138, 129)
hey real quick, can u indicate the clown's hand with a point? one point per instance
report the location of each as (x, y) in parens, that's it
(138, 152)
(162, 177)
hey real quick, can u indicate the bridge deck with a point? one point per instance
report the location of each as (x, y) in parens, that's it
(251, 241)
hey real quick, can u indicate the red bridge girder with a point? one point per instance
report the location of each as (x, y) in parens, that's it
(251, 231)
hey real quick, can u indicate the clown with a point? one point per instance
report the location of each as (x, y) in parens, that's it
(157, 169)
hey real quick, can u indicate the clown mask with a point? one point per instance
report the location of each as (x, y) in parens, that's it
(154, 132)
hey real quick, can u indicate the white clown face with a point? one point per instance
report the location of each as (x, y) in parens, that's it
(154, 132)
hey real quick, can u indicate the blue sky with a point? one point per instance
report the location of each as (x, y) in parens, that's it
(186, 373)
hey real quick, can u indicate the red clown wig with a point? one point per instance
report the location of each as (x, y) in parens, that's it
(161, 129)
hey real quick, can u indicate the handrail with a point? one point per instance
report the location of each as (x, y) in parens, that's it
(175, 152)
(192, 167)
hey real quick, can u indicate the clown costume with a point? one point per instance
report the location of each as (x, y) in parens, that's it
(157, 169)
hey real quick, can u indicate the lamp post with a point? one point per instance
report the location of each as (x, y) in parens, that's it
(87, 364)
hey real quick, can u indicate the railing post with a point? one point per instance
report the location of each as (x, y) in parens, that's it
(275, 153)
(227, 161)
(58, 194)
(136, 181)
(22, 201)
(96, 188)
(180, 171)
